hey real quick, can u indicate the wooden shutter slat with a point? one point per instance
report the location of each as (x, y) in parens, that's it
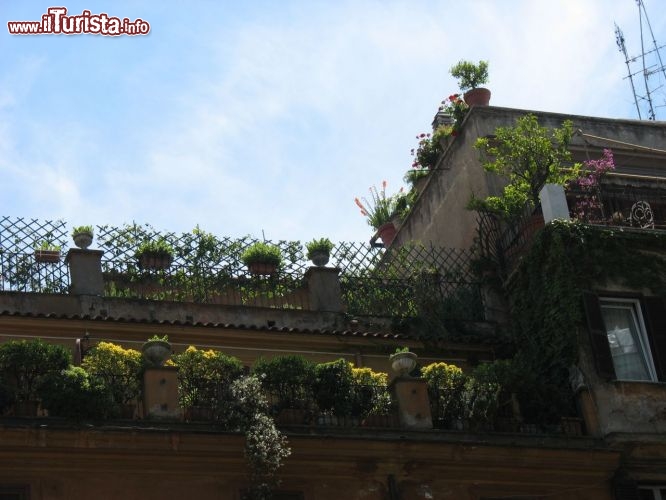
(598, 337)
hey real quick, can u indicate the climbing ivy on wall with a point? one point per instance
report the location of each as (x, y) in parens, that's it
(546, 302)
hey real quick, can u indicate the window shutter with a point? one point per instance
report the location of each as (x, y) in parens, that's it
(598, 336)
(626, 489)
(655, 310)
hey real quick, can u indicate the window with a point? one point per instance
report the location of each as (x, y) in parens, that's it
(652, 492)
(628, 336)
(14, 492)
(627, 339)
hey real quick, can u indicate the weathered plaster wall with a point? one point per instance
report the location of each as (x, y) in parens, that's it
(440, 216)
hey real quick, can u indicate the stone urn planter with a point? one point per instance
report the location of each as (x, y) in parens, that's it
(320, 259)
(82, 236)
(156, 351)
(403, 363)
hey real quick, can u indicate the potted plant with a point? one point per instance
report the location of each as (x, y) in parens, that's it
(155, 254)
(470, 76)
(156, 350)
(25, 366)
(379, 212)
(319, 251)
(403, 361)
(82, 236)
(47, 253)
(262, 258)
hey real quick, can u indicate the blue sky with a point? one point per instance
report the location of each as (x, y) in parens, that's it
(245, 117)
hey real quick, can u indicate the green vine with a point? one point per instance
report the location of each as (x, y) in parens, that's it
(546, 302)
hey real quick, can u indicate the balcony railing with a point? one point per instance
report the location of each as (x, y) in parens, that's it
(613, 205)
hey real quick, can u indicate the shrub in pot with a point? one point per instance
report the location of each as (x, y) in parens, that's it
(319, 251)
(262, 258)
(155, 254)
(26, 364)
(288, 379)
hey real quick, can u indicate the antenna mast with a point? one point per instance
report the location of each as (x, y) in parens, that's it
(647, 69)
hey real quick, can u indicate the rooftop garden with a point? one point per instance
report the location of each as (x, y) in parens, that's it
(138, 261)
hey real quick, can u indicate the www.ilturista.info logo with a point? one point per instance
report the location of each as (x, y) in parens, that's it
(56, 22)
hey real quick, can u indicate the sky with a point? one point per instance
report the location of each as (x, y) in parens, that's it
(268, 118)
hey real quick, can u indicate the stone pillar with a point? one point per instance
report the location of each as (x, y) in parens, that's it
(413, 402)
(160, 393)
(85, 271)
(324, 289)
(553, 203)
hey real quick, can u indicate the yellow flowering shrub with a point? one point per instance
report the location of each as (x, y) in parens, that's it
(205, 376)
(119, 369)
(446, 386)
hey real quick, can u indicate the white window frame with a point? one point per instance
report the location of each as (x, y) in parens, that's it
(644, 343)
(656, 491)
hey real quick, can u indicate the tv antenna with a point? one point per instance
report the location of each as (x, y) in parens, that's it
(650, 65)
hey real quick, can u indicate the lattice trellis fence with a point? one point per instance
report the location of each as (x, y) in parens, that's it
(414, 280)
(21, 268)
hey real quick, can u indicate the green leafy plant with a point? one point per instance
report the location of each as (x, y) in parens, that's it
(528, 156)
(82, 230)
(470, 75)
(158, 248)
(334, 387)
(288, 379)
(72, 393)
(262, 253)
(48, 246)
(25, 365)
(400, 350)
(163, 338)
(323, 245)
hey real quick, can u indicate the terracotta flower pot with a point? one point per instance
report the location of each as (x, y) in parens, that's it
(47, 256)
(262, 268)
(477, 97)
(387, 233)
